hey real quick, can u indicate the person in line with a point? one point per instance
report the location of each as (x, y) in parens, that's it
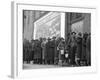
(43, 45)
(61, 48)
(55, 56)
(79, 48)
(73, 47)
(50, 51)
(84, 53)
(88, 50)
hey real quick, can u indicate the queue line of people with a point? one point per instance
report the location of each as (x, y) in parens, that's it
(75, 50)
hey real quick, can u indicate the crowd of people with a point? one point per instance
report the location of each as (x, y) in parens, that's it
(75, 50)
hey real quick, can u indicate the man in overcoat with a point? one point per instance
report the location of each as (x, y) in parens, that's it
(79, 48)
(73, 46)
(50, 51)
(88, 50)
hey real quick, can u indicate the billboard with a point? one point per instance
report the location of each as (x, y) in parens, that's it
(48, 26)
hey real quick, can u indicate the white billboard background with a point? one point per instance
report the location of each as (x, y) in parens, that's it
(50, 25)
(77, 27)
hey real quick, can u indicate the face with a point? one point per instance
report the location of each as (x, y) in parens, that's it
(73, 35)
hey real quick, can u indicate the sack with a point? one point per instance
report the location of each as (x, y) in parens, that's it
(62, 51)
(57, 48)
(66, 55)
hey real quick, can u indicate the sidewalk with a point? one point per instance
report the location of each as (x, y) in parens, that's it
(37, 66)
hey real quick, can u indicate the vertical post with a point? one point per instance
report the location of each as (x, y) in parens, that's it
(67, 24)
(62, 25)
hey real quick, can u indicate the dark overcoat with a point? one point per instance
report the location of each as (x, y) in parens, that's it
(79, 47)
(50, 50)
(88, 50)
(37, 50)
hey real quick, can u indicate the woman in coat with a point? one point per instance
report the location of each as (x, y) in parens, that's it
(43, 45)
